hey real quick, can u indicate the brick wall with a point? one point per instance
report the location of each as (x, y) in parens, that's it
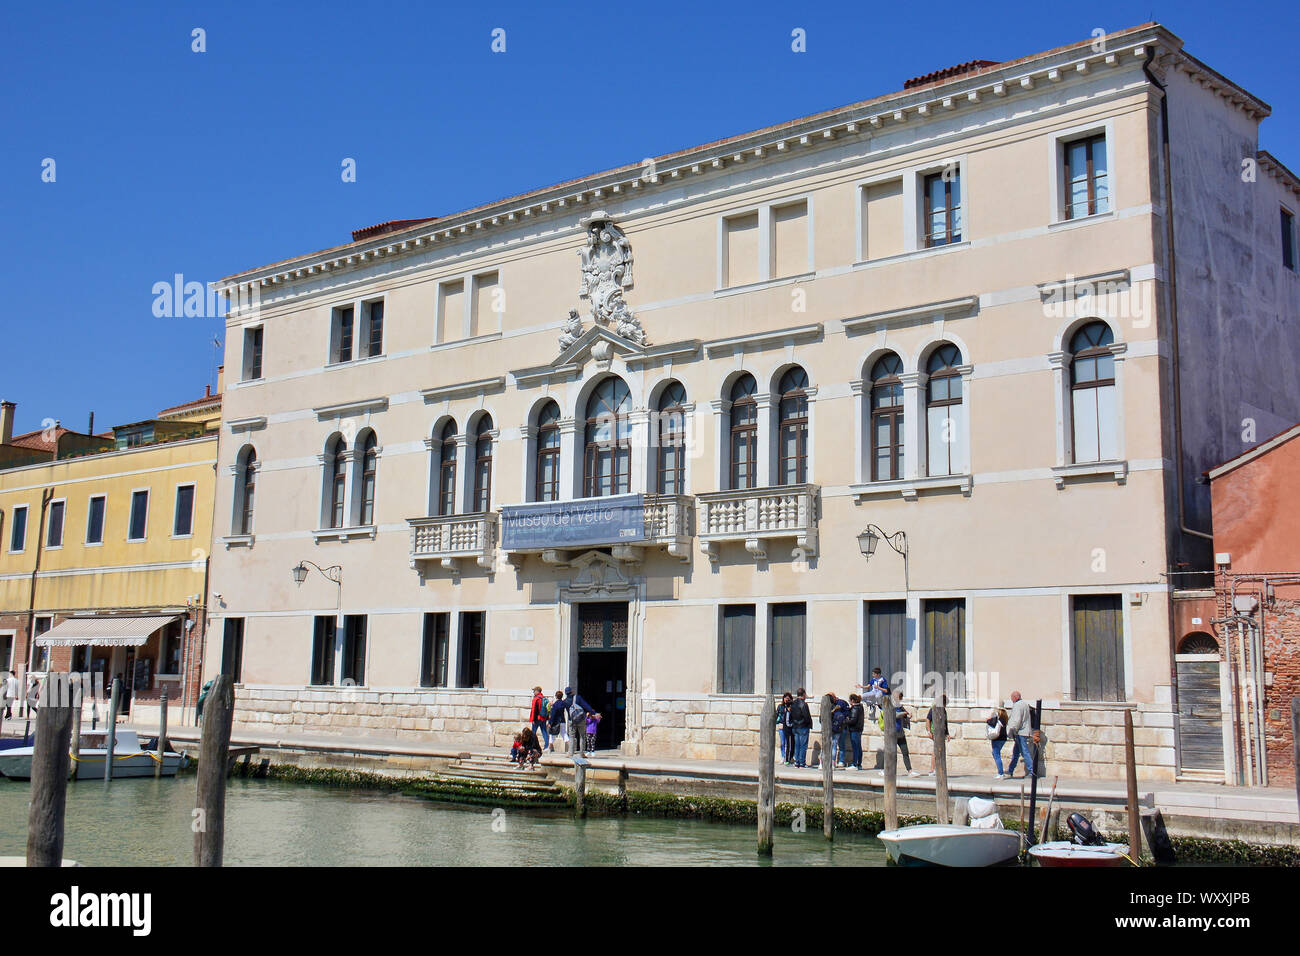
(1282, 660)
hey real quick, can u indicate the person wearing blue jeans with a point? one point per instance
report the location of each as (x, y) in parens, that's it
(801, 723)
(853, 727)
(1019, 727)
(784, 729)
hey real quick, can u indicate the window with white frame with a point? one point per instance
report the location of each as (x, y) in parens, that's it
(1092, 394)
(95, 519)
(54, 524)
(252, 368)
(886, 404)
(368, 464)
(183, 514)
(342, 333)
(941, 214)
(945, 411)
(1085, 176)
(139, 519)
(245, 490)
(18, 529)
(334, 493)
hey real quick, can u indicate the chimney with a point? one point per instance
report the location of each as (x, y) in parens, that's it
(6, 422)
(90, 428)
(221, 378)
(207, 391)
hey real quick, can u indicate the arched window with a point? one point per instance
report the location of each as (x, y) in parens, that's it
(887, 419)
(246, 483)
(369, 461)
(607, 462)
(1092, 393)
(943, 413)
(792, 428)
(482, 464)
(743, 448)
(338, 484)
(671, 441)
(447, 470)
(1198, 642)
(548, 453)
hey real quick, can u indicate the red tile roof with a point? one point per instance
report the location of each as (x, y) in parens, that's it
(948, 72)
(369, 232)
(187, 406)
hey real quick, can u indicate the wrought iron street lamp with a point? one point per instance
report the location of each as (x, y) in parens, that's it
(873, 535)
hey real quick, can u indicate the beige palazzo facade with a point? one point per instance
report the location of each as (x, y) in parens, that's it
(626, 433)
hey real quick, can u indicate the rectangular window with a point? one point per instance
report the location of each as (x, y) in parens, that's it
(1087, 184)
(487, 306)
(341, 334)
(451, 311)
(471, 649)
(170, 660)
(18, 531)
(790, 240)
(882, 219)
(943, 637)
(322, 650)
(1097, 647)
(885, 643)
(435, 650)
(741, 253)
(736, 650)
(183, 520)
(95, 520)
(354, 649)
(139, 516)
(6, 652)
(43, 624)
(54, 529)
(942, 214)
(232, 649)
(252, 353)
(374, 338)
(787, 643)
(1288, 240)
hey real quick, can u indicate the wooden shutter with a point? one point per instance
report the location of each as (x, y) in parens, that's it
(943, 642)
(787, 648)
(1098, 647)
(736, 650)
(322, 652)
(886, 639)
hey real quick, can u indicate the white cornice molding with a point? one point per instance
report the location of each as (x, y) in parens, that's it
(756, 341)
(237, 425)
(949, 309)
(461, 389)
(346, 409)
(1069, 286)
(918, 105)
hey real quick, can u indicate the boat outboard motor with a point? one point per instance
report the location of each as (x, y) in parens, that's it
(1084, 833)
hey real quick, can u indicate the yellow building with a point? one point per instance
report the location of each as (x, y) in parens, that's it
(104, 551)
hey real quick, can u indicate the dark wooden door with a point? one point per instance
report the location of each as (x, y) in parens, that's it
(787, 647)
(1098, 636)
(736, 650)
(943, 636)
(886, 641)
(1200, 715)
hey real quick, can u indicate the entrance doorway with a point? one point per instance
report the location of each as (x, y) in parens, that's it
(1200, 704)
(602, 667)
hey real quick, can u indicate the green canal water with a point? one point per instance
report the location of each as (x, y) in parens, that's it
(270, 823)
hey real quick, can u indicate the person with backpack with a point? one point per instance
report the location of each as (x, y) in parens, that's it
(576, 715)
(801, 724)
(556, 724)
(784, 729)
(839, 735)
(539, 713)
(997, 724)
(902, 721)
(853, 727)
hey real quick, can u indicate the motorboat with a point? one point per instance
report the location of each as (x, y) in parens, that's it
(944, 844)
(1085, 849)
(130, 758)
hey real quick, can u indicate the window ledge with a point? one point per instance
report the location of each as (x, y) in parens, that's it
(763, 284)
(472, 340)
(330, 366)
(343, 534)
(1080, 221)
(920, 252)
(910, 488)
(237, 541)
(1091, 469)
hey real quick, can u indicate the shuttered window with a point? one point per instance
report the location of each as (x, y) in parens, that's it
(736, 650)
(786, 647)
(1097, 647)
(354, 649)
(232, 649)
(885, 641)
(322, 651)
(437, 645)
(471, 649)
(943, 636)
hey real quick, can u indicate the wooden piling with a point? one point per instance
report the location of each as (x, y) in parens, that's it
(1022, 819)
(161, 750)
(1035, 721)
(828, 770)
(111, 744)
(580, 786)
(1130, 774)
(1047, 814)
(891, 763)
(939, 728)
(49, 787)
(214, 744)
(75, 747)
(766, 778)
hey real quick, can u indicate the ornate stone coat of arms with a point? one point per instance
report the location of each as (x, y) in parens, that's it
(606, 272)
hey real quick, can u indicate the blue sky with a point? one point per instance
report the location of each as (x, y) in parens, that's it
(170, 161)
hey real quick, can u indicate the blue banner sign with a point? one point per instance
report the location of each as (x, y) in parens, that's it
(570, 524)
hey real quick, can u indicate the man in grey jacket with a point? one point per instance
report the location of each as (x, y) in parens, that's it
(1019, 727)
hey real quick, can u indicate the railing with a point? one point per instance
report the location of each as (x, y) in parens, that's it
(452, 538)
(757, 515)
(668, 523)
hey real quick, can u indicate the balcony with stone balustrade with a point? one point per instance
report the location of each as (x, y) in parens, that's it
(756, 516)
(453, 539)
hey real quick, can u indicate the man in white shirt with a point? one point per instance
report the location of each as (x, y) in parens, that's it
(9, 693)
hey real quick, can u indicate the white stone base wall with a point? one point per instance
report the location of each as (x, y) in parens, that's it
(1084, 742)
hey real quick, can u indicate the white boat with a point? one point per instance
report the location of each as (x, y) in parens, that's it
(944, 844)
(130, 759)
(1067, 853)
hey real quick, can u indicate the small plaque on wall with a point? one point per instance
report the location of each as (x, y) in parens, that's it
(521, 658)
(521, 634)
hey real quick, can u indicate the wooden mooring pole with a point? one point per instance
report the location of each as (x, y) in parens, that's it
(214, 746)
(891, 763)
(1130, 773)
(161, 749)
(580, 785)
(49, 788)
(111, 743)
(939, 727)
(1035, 721)
(828, 770)
(78, 694)
(766, 778)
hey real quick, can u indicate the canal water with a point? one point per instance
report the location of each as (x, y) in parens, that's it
(270, 823)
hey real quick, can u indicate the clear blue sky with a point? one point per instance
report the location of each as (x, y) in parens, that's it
(210, 163)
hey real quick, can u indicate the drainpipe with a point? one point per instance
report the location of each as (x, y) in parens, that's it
(46, 497)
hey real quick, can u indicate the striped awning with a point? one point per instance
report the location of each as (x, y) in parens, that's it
(104, 631)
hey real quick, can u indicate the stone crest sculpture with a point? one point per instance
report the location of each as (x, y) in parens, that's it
(606, 272)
